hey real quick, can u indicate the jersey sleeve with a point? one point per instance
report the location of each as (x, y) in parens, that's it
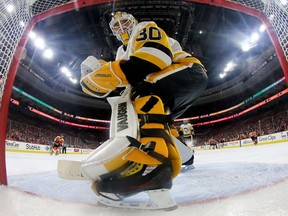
(177, 50)
(191, 127)
(152, 53)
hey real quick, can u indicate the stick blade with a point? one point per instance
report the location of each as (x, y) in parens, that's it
(70, 170)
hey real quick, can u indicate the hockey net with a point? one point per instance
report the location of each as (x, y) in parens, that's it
(17, 18)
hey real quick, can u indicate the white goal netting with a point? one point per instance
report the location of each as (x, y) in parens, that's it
(17, 15)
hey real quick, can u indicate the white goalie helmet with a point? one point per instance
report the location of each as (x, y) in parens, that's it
(122, 25)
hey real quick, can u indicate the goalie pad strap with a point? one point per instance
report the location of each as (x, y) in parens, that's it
(134, 142)
(149, 148)
(160, 157)
(156, 133)
(154, 118)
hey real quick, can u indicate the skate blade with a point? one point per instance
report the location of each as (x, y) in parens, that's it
(158, 200)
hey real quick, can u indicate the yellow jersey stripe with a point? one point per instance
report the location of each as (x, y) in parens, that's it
(154, 77)
(180, 55)
(157, 53)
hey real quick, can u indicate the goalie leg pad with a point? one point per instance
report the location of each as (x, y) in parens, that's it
(123, 165)
(154, 127)
(117, 151)
(112, 155)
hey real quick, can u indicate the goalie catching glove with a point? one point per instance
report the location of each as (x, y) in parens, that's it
(99, 78)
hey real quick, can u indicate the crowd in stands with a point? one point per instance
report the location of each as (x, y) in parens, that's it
(256, 125)
(38, 130)
(34, 129)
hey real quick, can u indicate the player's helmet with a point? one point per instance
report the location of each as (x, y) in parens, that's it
(122, 25)
(185, 121)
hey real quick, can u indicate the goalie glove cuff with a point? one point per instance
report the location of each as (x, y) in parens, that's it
(89, 65)
(118, 71)
(104, 80)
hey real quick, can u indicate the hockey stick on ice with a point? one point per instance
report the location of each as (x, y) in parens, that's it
(70, 170)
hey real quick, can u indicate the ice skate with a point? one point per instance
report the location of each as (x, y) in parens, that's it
(160, 199)
(156, 182)
(186, 168)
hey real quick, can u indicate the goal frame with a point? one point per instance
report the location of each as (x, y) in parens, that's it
(15, 60)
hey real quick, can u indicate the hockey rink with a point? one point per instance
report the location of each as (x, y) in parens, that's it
(250, 181)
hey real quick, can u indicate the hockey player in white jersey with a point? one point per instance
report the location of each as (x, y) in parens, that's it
(187, 132)
(162, 81)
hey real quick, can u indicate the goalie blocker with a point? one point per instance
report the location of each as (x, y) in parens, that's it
(140, 154)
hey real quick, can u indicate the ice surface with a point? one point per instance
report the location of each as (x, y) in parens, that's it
(250, 181)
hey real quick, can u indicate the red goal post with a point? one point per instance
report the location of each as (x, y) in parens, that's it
(18, 17)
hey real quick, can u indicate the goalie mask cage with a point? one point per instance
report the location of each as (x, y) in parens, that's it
(17, 18)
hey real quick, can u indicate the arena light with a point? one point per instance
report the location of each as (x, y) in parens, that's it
(251, 42)
(222, 75)
(73, 80)
(254, 37)
(39, 43)
(262, 28)
(229, 67)
(66, 71)
(245, 46)
(32, 35)
(48, 54)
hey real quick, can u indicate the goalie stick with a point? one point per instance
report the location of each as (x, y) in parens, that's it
(70, 170)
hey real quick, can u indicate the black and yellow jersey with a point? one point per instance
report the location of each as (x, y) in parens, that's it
(187, 129)
(152, 55)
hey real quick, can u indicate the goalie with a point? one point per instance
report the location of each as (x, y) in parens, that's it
(164, 81)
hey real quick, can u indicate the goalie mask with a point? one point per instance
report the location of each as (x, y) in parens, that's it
(122, 25)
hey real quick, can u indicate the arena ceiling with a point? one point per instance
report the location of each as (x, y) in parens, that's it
(212, 34)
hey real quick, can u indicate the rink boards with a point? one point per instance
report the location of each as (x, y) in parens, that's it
(16, 146)
(38, 148)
